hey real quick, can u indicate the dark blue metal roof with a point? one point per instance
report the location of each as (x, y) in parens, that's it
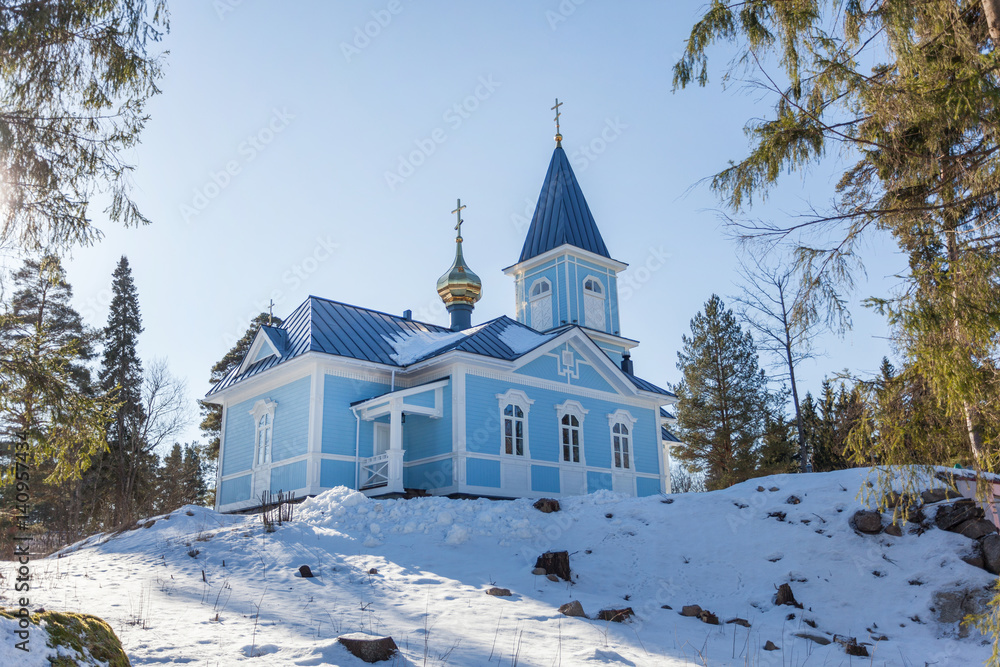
(331, 327)
(667, 435)
(277, 336)
(562, 215)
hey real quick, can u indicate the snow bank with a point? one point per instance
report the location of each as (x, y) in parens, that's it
(414, 345)
(521, 339)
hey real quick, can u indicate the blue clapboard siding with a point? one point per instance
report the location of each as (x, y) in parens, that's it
(290, 430)
(433, 475)
(234, 490)
(597, 481)
(336, 473)
(424, 399)
(288, 477)
(547, 367)
(482, 472)
(339, 424)
(424, 436)
(645, 486)
(484, 427)
(545, 479)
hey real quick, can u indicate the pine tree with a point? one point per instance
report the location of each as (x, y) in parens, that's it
(831, 432)
(810, 429)
(121, 377)
(49, 417)
(722, 398)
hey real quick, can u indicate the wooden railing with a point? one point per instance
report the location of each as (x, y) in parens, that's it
(375, 471)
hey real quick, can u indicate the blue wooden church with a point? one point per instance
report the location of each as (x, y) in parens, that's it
(544, 405)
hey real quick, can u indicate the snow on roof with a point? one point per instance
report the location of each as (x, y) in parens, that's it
(521, 339)
(412, 345)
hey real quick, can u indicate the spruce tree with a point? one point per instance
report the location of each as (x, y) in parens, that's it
(779, 451)
(830, 433)
(121, 378)
(722, 398)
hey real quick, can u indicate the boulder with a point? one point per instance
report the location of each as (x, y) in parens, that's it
(951, 607)
(708, 617)
(990, 548)
(555, 562)
(691, 610)
(774, 488)
(975, 559)
(79, 639)
(937, 495)
(547, 505)
(369, 648)
(760, 489)
(949, 517)
(573, 608)
(770, 646)
(499, 592)
(305, 572)
(975, 528)
(552, 577)
(615, 615)
(793, 500)
(540, 571)
(894, 530)
(373, 570)
(814, 637)
(867, 521)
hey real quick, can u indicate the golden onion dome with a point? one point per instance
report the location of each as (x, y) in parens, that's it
(459, 284)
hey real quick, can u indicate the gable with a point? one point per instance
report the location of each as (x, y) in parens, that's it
(567, 363)
(261, 348)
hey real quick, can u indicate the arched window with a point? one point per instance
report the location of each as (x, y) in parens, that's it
(263, 419)
(264, 439)
(514, 406)
(571, 414)
(622, 425)
(570, 438)
(620, 436)
(540, 298)
(593, 303)
(513, 430)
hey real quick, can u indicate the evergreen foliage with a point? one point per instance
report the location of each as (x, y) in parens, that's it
(50, 418)
(126, 467)
(909, 91)
(722, 398)
(76, 80)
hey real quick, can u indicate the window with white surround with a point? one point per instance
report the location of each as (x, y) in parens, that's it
(514, 406)
(540, 298)
(263, 417)
(593, 303)
(622, 423)
(570, 415)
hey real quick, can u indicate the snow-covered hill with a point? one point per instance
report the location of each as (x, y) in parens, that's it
(205, 588)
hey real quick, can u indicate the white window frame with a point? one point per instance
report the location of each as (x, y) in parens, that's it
(534, 299)
(260, 409)
(625, 418)
(600, 293)
(571, 408)
(517, 398)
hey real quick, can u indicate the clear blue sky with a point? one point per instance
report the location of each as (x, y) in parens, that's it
(309, 114)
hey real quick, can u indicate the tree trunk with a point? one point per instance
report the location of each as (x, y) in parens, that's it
(991, 8)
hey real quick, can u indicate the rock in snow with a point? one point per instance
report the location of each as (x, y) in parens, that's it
(370, 648)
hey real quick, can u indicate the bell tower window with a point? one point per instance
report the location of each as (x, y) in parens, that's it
(593, 303)
(540, 299)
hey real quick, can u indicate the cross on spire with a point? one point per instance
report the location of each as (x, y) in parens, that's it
(558, 113)
(270, 312)
(458, 214)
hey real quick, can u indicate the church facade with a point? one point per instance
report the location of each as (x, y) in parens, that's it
(546, 404)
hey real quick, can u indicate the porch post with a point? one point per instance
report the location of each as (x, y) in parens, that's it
(395, 445)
